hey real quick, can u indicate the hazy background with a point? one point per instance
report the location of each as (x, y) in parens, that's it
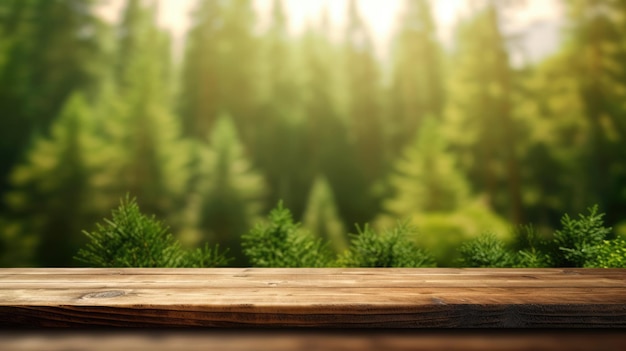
(460, 117)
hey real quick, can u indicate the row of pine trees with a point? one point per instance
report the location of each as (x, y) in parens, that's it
(455, 141)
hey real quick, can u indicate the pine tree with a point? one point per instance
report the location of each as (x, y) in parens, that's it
(281, 243)
(132, 239)
(431, 193)
(555, 168)
(417, 89)
(321, 218)
(481, 108)
(220, 68)
(49, 50)
(328, 150)
(427, 178)
(364, 101)
(229, 194)
(279, 128)
(53, 186)
(391, 248)
(149, 159)
(597, 54)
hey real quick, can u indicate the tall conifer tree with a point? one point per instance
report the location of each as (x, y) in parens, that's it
(220, 68)
(364, 98)
(49, 49)
(151, 161)
(417, 89)
(279, 127)
(321, 217)
(52, 189)
(328, 150)
(596, 47)
(481, 109)
(228, 196)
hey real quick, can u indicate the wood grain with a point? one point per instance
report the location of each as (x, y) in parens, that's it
(320, 298)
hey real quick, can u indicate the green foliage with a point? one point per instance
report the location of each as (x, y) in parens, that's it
(432, 193)
(417, 84)
(132, 239)
(427, 179)
(485, 251)
(49, 51)
(579, 238)
(531, 248)
(533, 259)
(206, 256)
(228, 193)
(321, 217)
(281, 243)
(148, 157)
(363, 99)
(609, 254)
(484, 131)
(391, 248)
(51, 187)
(87, 116)
(220, 67)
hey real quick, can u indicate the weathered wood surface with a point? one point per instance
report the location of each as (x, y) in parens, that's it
(321, 298)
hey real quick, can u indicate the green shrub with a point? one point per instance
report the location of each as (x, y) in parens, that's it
(132, 239)
(532, 258)
(531, 249)
(486, 250)
(392, 248)
(282, 243)
(578, 239)
(609, 254)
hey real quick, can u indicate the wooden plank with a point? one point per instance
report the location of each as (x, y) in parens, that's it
(336, 298)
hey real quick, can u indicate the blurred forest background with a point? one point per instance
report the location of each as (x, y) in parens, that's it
(454, 139)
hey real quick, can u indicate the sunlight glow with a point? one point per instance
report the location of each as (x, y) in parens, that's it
(538, 17)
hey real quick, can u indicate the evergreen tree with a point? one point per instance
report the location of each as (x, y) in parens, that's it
(427, 178)
(432, 194)
(417, 89)
(321, 218)
(220, 68)
(596, 49)
(486, 251)
(578, 239)
(328, 150)
(228, 195)
(482, 110)
(280, 243)
(364, 98)
(279, 128)
(49, 50)
(554, 164)
(132, 239)
(391, 248)
(149, 159)
(52, 189)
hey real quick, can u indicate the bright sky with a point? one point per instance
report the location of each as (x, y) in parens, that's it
(381, 16)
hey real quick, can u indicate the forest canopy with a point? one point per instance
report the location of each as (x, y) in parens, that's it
(453, 140)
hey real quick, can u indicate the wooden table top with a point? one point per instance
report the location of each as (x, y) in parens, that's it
(317, 298)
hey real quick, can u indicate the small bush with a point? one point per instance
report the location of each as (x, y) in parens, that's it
(609, 254)
(389, 249)
(531, 249)
(132, 239)
(282, 243)
(579, 238)
(485, 251)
